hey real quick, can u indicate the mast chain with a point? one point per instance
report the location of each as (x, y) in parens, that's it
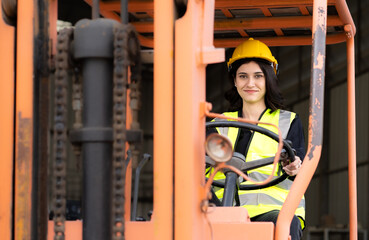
(135, 94)
(60, 131)
(124, 36)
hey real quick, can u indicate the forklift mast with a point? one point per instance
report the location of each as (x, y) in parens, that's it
(103, 56)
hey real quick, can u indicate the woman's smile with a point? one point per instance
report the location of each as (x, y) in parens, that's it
(250, 91)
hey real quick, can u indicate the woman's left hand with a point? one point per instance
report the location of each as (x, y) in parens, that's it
(292, 168)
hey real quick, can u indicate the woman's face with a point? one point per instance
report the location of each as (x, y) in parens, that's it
(250, 83)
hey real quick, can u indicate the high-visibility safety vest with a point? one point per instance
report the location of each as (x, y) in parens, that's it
(272, 198)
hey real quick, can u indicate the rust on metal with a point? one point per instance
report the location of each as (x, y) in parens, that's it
(23, 177)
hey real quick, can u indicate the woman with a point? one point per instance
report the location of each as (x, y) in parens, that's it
(255, 96)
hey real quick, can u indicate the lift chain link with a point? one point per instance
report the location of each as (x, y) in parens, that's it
(60, 131)
(119, 129)
(124, 35)
(135, 94)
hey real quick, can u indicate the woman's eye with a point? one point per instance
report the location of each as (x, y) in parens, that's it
(259, 76)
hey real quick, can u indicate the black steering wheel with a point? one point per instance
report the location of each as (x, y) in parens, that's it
(256, 163)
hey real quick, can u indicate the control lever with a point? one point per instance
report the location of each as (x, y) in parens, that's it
(285, 158)
(146, 157)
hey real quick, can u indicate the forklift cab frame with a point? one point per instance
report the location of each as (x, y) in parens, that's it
(183, 48)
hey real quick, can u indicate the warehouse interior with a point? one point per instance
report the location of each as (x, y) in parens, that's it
(327, 196)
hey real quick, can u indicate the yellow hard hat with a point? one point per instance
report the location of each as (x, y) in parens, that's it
(253, 49)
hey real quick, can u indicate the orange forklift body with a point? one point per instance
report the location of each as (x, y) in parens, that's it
(183, 48)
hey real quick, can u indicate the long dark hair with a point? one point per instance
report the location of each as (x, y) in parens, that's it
(273, 96)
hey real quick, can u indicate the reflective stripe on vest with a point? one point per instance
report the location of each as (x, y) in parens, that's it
(263, 200)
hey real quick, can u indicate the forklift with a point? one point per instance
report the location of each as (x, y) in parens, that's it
(91, 73)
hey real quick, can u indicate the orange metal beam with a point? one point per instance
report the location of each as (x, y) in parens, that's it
(193, 51)
(280, 41)
(146, 41)
(163, 216)
(133, 6)
(73, 230)
(147, 5)
(6, 128)
(247, 4)
(24, 120)
(266, 11)
(144, 27)
(142, 231)
(227, 13)
(304, 11)
(234, 223)
(108, 14)
(53, 17)
(254, 230)
(345, 15)
(246, 23)
(110, 10)
(270, 41)
(271, 23)
(351, 132)
(226, 223)
(242, 33)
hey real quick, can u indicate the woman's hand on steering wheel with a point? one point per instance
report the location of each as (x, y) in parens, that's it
(293, 168)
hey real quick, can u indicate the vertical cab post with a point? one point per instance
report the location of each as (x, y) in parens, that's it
(163, 161)
(6, 127)
(193, 51)
(24, 119)
(315, 140)
(351, 131)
